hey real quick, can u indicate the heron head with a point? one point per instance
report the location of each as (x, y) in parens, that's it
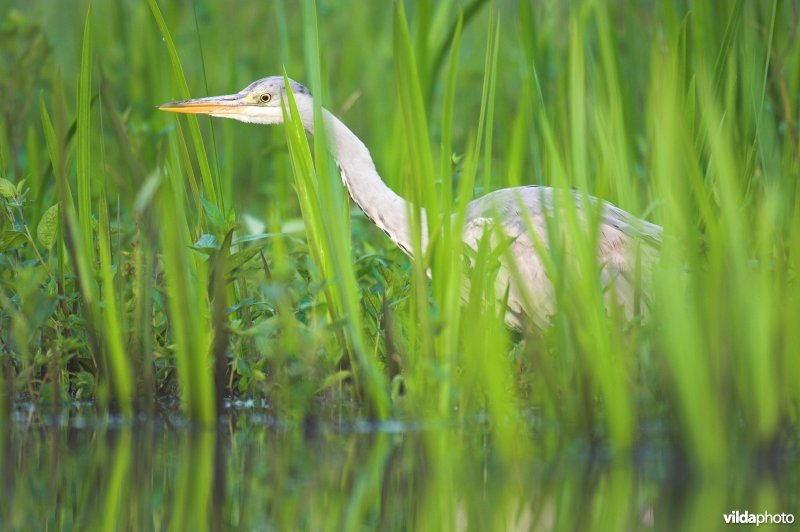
(259, 102)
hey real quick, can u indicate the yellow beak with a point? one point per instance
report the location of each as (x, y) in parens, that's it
(227, 104)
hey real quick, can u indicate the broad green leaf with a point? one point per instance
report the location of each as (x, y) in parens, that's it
(7, 188)
(11, 239)
(206, 243)
(48, 227)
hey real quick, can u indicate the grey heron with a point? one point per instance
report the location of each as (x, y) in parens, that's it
(627, 247)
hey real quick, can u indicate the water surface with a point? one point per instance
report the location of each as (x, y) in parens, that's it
(77, 471)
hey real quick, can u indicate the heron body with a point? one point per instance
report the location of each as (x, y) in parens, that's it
(627, 247)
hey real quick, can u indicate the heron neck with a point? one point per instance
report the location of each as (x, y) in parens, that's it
(386, 209)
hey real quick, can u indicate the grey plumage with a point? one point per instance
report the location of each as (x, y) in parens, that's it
(627, 248)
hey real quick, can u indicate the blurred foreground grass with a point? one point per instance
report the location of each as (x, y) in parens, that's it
(255, 474)
(177, 262)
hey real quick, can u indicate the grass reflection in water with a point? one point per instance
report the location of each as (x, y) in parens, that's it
(256, 473)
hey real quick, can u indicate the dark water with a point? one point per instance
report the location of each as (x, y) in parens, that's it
(253, 472)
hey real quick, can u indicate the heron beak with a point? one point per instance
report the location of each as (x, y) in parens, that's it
(228, 104)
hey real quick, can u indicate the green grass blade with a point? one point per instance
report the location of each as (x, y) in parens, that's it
(420, 189)
(84, 188)
(188, 318)
(331, 254)
(211, 185)
(120, 368)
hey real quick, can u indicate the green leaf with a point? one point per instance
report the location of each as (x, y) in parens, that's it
(7, 188)
(214, 215)
(83, 141)
(11, 239)
(206, 242)
(263, 236)
(241, 257)
(243, 366)
(48, 227)
(334, 379)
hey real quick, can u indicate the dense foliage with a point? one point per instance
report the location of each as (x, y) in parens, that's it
(144, 256)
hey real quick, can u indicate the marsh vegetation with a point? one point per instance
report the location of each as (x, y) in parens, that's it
(158, 268)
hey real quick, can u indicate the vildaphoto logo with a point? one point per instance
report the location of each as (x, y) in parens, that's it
(764, 518)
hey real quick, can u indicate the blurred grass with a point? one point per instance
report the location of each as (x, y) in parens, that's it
(151, 477)
(686, 117)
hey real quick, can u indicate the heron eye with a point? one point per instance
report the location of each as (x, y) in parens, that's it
(265, 98)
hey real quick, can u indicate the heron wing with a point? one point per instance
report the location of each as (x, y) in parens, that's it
(627, 249)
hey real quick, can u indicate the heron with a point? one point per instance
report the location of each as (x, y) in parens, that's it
(627, 246)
